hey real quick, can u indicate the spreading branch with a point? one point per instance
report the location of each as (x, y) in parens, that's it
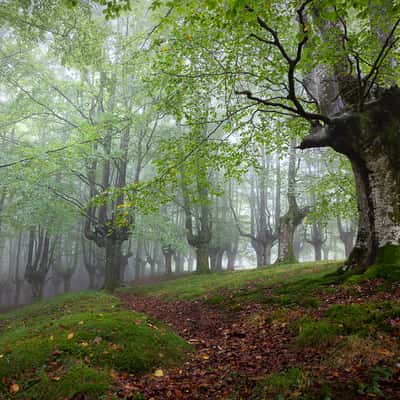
(292, 63)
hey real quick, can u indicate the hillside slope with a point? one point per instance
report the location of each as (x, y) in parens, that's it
(284, 332)
(75, 345)
(287, 332)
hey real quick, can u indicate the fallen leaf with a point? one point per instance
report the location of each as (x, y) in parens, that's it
(70, 335)
(158, 373)
(385, 352)
(55, 378)
(84, 344)
(14, 388)
(81, 322)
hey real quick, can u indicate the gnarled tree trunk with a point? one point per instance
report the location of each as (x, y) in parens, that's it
(371, 140)
(293, 217)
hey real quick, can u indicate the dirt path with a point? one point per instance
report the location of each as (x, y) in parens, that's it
(231, 349)
(234, 350)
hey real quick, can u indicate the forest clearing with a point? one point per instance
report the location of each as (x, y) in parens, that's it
(199, 199)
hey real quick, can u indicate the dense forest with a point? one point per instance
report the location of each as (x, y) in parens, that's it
(158, 141)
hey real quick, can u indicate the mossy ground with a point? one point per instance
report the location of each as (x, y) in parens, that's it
(239, 285)
(73, 344)
(341, 334)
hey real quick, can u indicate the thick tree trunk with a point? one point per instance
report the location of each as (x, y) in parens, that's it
(168, 253)
(317, 240)
(263, 252)
(286, 237)
(113, 263)
(318, 251)
(371, 141)
(294, 216)
(202, 262)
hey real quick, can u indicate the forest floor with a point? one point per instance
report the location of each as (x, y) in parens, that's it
(279, 334)
(284, 332)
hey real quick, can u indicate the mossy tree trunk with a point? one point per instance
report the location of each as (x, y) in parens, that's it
(371, 141)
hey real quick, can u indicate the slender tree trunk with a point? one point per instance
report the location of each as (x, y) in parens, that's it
(168, 261)
(18, 281)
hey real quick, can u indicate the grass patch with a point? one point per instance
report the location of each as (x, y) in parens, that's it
(363, 319)
(69, 345)
(316, 333)
(390, 273)
(289, 384)
(239, 285)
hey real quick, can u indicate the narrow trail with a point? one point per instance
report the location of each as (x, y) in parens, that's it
(233, 350)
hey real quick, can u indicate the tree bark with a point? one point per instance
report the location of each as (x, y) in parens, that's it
(293, 217)
(202, 262)
(371, 141)
(168, 253)
(113, 263)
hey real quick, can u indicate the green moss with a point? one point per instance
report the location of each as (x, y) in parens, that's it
(283, 385)
(81, 337)
(363, 319)
(210, 285)
(79, 380)
(317, 333)
(389, 255)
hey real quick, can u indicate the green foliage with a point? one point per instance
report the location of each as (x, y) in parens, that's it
(334, 192)
(161, 227)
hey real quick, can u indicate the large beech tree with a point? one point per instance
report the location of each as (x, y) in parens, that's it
(331, 63)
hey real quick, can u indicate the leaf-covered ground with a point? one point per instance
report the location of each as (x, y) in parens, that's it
(284, 332)
(278, 335)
